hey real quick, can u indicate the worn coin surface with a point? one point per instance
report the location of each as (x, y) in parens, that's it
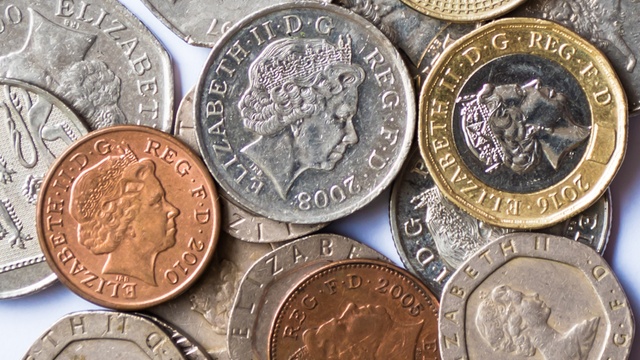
(265, 284)
(189, 348)
(433, 236)
(128, 217)
(237, 221)
(357, 309)
(38, 128)
(528, 295)
(522, 123)
(464, 10)
(304, 113)
(94, 55)
(203, 311)
(103, 335)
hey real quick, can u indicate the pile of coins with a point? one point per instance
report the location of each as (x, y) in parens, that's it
(200, 229)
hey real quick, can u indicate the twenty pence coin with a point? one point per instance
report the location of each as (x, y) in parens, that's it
(523, 124)
(128, 217)
(564, 298)
(304, 113)
(357, 309)
(464, 10)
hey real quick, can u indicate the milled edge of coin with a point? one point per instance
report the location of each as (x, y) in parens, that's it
(406, 80)
(494, 9)
(206, 257)
(51, 278)
(615, 134)
(537, 246)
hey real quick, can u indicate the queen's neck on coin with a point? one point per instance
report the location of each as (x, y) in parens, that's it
(132, 261)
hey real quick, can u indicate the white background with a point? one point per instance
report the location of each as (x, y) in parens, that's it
(23, 320)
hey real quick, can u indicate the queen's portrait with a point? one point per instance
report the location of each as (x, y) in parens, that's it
(516, 323)
(300, 103)
(122, 212)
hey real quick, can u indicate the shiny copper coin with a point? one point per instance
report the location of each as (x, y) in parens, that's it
(356, 309)
(128, 217)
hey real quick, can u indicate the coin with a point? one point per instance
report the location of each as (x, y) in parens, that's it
(357, 309)
(203, 311)
(522, 123)
(128, 217)
(190, 349)
(433, 236)
(267, 281)
(532, 294)
(314, 118)
(94, 55)
(38, 128)
(464, 11)
(103, 335)
(237, 221)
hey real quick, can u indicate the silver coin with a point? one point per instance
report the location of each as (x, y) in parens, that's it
(267, 282)
(304, 113)
(97, 335)
(540, 295)
(202, 22)
(203, 311)
(237, 221)
(38, 127)
(190, 349)
(434, 237)
(94, 55)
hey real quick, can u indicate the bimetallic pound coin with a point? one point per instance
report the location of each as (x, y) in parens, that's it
(268, 280)
(38, 128)
(104, 335)
(434, 237)
(94, 55)
(128, 217)
(530, 294)
(357, 309)
(464, 10)
(236, 221)
(304, 113)
(523, 124)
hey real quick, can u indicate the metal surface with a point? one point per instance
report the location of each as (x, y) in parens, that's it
(464, 10)
(41, 127)
(94, 55)
(313, 119)
(433, 236)
(522, 123)
(128, 217)
(265, 284)
(190, 349)
(532, 294)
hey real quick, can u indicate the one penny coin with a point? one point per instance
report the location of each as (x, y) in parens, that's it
(128, 217)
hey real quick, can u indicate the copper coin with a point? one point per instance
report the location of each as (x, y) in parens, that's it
(128, 217)
(356, 309)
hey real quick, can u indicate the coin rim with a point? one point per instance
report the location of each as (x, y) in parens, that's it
(489, 14)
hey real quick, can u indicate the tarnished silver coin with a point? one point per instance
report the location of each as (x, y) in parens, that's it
(96, 335)
(203, 311)
(202, 22)
(37, 128)
(610, 25)
(530, 295)
(267, 282)
(236, 221)
(304, 113)
(189, 348)
(94, 55)
(434, 237)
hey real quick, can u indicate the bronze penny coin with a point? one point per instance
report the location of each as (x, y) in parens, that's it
(356, 309)
(128, 217)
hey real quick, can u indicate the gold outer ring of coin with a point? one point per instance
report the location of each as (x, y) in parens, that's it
(606, 144)
(128, 217)
(464, 11)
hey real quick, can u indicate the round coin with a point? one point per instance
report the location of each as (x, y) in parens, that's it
(357, 309)
(41, 128)
(304, 113)
(522, 123)
(189, 348)
(128, 217)
(431, 242)
(464, 10)
(532, 294)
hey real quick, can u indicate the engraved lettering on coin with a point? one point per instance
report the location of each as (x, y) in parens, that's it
(122, 211)
(514, 322)
(299, 89)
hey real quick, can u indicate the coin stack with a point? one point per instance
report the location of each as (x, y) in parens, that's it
(200, 231)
